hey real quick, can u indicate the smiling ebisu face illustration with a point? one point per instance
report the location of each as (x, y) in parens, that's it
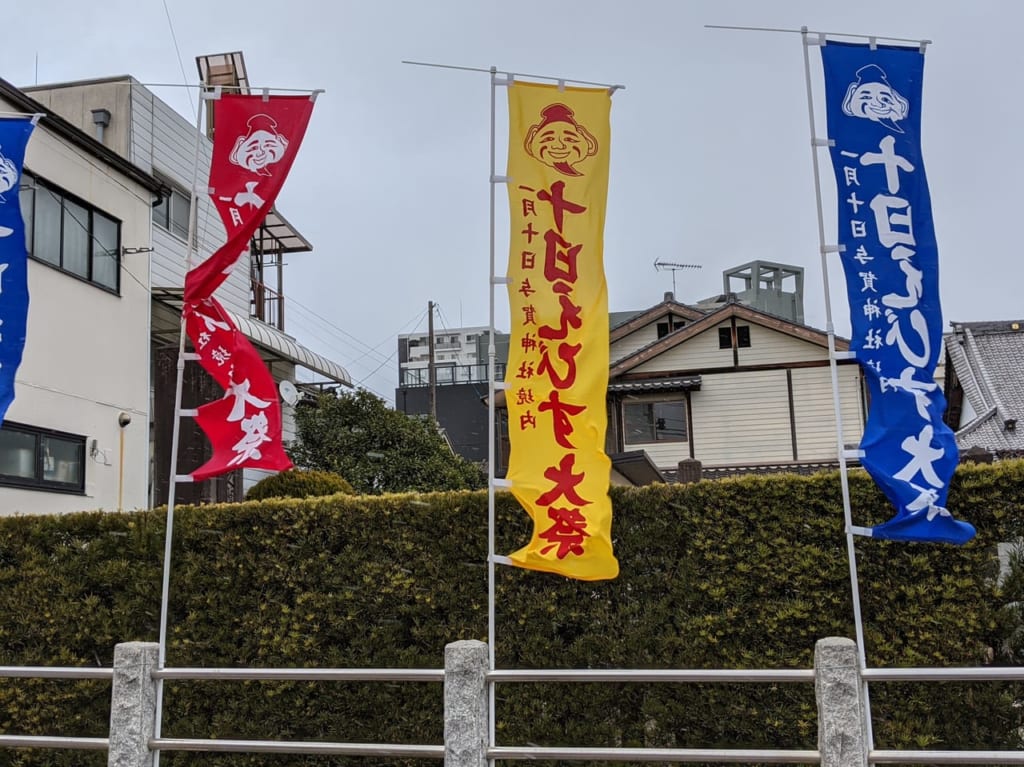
(559, 141)
(873, 98)
(261, 147)
(8, 175)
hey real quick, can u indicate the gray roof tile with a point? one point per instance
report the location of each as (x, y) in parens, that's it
(988, 358)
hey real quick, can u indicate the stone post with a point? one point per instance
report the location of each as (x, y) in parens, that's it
(837, 687)
(133, 704)
(465, 704)
(689, 470)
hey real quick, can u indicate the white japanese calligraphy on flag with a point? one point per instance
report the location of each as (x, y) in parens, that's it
(890, 259)
(244, 426)
(254, 145)
(14, 135)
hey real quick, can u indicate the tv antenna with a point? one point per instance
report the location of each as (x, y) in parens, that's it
(661, 266)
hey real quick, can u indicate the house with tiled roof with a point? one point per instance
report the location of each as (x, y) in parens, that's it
(984, 385)
(738, 389)
(736, 382)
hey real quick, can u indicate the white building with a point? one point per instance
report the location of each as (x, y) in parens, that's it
(76, 436)
(460, 356)
(135, 123)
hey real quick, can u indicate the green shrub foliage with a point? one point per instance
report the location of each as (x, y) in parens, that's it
(378, 449)
(299, 483)
(742, 573)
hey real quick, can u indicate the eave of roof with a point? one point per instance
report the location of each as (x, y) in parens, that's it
(988, 360)
(61, 127)
(262, 335)
(271, 338)
(284, 237)
(637, 467)
(675, 383)
(648, 316)
(708, 321)
(989, 431)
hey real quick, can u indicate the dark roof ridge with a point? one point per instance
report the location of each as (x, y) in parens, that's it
(990, 390)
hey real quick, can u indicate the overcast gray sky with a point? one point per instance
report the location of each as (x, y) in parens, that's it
(710, 158)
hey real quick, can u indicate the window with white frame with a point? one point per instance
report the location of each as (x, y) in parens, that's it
(173, 212)
(647, 421)
(69, 234)
(41, 459)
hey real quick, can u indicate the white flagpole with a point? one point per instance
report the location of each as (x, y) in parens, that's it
(493, 386)
(824, 250)
(193, 221)
(492, 390)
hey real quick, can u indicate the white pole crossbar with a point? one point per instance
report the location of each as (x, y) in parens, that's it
(804, 31)
(494, 71)
(36, 116)
(252, 88)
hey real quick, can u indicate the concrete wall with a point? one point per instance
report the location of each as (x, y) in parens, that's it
(76, 104)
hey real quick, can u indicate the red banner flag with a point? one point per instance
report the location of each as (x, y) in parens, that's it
(254, 145)
(244, 426)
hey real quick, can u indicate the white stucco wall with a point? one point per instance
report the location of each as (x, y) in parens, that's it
(148, 132)
(87, 350)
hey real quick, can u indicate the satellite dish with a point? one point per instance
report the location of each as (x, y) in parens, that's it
(289, 393)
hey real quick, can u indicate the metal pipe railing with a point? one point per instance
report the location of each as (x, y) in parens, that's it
(946, 757)
(303, 674)
(46, 741)
(512, 753)
(722, 755)
(651, 675)
(56, 672)
(307, 747)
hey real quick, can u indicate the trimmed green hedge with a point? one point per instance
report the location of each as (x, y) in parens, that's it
(741, 573)
(299, 483)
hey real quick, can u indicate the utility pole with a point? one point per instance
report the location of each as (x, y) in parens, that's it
(431, 371)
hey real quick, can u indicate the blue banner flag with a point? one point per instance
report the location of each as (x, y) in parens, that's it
(14, 135)
(890, 260)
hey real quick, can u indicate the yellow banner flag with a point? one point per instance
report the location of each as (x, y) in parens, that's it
(557, 375)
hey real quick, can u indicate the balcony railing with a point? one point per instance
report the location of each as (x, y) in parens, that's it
(449, 374)
(267, 304)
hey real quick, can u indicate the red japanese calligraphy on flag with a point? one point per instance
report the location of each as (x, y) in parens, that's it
(244, 426)
(557, 372)
(254, 145)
